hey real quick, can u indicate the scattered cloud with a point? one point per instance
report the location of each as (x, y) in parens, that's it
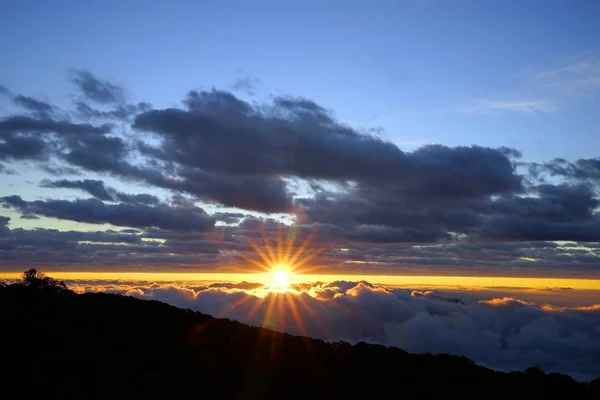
(39, 107)
(100, 191)
(95, 89)
(95, 211)
(246, 84)
(4, 91)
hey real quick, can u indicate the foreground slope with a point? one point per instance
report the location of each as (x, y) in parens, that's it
(58, 344)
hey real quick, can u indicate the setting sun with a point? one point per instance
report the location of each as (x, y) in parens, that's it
(280, 277)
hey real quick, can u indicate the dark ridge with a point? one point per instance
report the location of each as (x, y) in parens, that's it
(58, 344)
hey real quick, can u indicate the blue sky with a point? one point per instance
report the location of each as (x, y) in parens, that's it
(524, 75)
(452, 72)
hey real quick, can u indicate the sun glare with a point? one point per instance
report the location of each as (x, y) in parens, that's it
(279, 263)
(280, 278)
(282, 261)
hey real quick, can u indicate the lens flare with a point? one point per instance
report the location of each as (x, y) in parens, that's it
(281, 258)
(279, 261)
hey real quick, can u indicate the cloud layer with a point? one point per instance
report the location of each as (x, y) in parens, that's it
(499, 332)
(370, 200)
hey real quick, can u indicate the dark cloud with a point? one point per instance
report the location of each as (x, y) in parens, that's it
(50, 238)
(29, 216)
(559, 212)
(50, 248)
(32, 138)
(123, 214)
(228, 218)
(4, 230)
(585, 169)
(37, 106)
(229, 245)
(98, 154)
(293, 137)
(95, 89)
(5, 170)
(246, 84)
(93, 187)
(25, 124)
(259, 193)
(513, 228)
(22, 147)
(100, 191)
(4, 91)
(555, 203)
(119, 112)
(350, 187)
(236, 285)
(60, 170)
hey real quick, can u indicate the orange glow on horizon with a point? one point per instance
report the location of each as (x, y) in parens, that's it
(267, 278)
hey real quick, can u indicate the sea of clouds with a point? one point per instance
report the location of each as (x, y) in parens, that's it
(503, 333)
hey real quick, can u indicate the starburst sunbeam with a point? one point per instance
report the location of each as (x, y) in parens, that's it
(279, 259)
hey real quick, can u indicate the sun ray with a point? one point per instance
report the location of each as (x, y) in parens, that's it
(302, 247)
(281, 312)
(280, 244)
(269, 311)
(292, 298)
(261, 253)
(256, 263)
(295, 314)
(255, 308)
(272, 257)
(313, 315)
(289, 245)
(307, 258)
(232, 307)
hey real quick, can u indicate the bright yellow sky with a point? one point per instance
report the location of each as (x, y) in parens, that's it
(464, 281)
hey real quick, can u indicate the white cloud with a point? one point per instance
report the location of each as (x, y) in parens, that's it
(501, 332)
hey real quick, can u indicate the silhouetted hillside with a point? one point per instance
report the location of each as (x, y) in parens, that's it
(58, 344)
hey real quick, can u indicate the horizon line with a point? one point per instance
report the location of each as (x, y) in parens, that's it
(389, 280)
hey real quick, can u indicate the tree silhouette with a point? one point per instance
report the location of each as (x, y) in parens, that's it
(38, 280)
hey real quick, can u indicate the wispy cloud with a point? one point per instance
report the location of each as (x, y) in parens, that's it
(544, 90)
(576, 76)
(495, 106)
(246, 83)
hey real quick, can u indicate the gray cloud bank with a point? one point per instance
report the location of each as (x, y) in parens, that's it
(289, 155)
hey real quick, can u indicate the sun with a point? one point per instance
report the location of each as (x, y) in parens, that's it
(280, 278)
